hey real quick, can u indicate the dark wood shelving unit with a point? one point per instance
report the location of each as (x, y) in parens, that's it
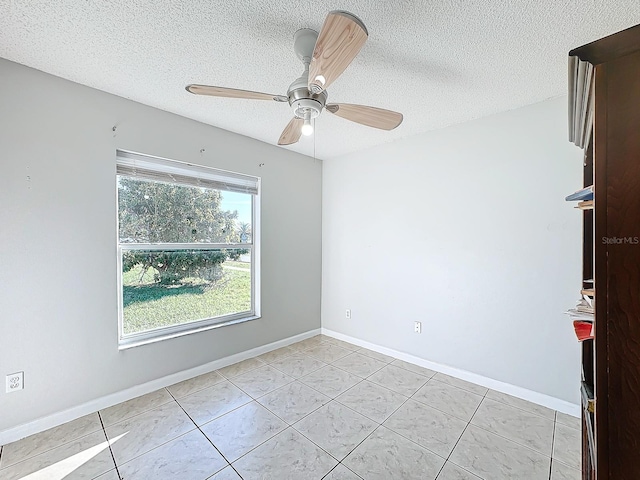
(604, 120)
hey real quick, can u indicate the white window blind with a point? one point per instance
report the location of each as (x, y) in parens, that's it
(145, 167)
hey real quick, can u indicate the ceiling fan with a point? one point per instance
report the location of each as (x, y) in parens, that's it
(325, 56)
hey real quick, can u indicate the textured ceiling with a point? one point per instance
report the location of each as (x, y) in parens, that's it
(437, 62)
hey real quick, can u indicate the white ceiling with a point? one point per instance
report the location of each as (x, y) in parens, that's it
(437, 62)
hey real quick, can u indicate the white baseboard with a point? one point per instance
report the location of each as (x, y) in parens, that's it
(58, 418)
(523, 393)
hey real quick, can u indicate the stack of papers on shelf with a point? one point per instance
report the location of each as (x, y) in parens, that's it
(578, 315)
(585, 193)
(586, 305)
(583, 310)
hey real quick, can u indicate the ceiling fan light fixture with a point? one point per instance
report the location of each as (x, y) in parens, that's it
(307, 128)
(317, 85)
(325, 55)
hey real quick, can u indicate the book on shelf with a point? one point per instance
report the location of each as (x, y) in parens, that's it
(583, 314)
(583, 329)
(585, 205)
(585, 193)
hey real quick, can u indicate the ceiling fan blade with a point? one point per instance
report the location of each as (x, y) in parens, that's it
(370, 116)
(233, 93)
(341, 38)
(292, 132)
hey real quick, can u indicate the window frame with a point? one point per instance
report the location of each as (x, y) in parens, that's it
(126, 341)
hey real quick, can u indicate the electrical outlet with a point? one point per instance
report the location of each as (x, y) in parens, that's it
(348, 313)
(417, 327)
(15, 382)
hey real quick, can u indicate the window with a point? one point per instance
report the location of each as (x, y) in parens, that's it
(188, 248)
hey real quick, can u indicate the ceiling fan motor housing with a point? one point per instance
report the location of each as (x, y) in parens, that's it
(302, 101)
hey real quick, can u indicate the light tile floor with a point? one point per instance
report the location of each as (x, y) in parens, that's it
(318, 409)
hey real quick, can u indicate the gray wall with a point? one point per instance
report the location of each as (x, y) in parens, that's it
(466, 230)
(58, 295)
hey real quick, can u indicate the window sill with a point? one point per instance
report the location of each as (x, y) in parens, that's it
(127, 343)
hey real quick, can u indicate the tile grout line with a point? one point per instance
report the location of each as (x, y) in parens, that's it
(248, 451)
(321, 448)
(392, 413)
(58, 445)
(460, 437)
(511, 440)
(522, 409)
(375, 384)
(553, 459)
(553, 439)
(288, 426)
(378, 425)
(249, 370)
(305, 415)
(301, 383)
(517, 442)
(442, 411)
(568, 466)
(104, 430)
(354, 448)
(308, 356)
(360, 380)
(416, 443)
(162, 444)
(338, 464)
(264, 394)
(313, 411)
(494, 399)
(483, 395)
(271, 438)
(332, 363)
(222, 379)
(403, 394)
(205, 436)
(280, 356)
(375, 421)
(364, 378)
(177, 400)
(480, 427)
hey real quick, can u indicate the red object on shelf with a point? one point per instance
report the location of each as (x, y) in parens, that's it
(584, 330)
